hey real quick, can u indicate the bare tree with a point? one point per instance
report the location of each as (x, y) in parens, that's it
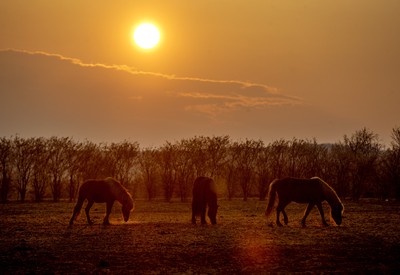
(247, 154)
(396, 161)
(185, 171)
(58, 161)
(216, 154)
(263, 172)
(40, 175)
(297, 153)
(339, 162)
(390, 167)
(23, 160)
(231, 172)
(149, 169)
(5, 167)
(278, 151)
(74, 155)
(91, 161)
(364, 149)
(199, 156)
(168, 169)
(204, 156)
(315, 155)
(123, 160)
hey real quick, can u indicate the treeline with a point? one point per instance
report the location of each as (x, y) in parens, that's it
(39, 168)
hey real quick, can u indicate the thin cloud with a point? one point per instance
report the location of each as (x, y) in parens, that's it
(208, 96)
(134, 71)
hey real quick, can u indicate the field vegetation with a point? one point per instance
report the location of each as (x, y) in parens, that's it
(159, 238)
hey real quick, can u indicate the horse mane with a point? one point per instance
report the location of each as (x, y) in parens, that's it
(331, 197)
(121, 192)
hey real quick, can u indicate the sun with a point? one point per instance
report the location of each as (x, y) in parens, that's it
(146, 36)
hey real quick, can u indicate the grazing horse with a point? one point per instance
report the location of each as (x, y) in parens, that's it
(204, 194)
(108, 190)
(312, 191)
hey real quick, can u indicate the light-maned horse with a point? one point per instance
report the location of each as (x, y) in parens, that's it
(204, 194)
(106, 191)
(312, 191)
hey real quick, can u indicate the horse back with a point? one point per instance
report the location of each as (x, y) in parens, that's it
(300, 190)
(204, 191)
(97, 191)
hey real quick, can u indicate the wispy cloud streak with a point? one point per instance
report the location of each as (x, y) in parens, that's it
(208, 96)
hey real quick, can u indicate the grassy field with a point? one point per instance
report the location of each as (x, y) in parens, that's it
(159, 238)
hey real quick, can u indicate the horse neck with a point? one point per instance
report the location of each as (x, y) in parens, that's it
(122, 197)
(118, 192)
(331, 196)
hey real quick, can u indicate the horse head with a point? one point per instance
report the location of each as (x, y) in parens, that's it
(212, 213)
(336, 213)
(126, 209)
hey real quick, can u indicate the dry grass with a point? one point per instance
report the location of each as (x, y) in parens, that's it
(35, 238)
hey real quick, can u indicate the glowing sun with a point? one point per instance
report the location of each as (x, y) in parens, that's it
(146, 35)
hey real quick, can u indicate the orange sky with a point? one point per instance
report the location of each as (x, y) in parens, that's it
(250, 69)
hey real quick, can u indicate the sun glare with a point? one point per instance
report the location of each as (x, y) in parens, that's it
(146, 36)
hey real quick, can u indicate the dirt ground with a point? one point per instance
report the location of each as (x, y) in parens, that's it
(159, 239)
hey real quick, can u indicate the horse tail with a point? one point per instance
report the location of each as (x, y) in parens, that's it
(271, 197)
(78, 206)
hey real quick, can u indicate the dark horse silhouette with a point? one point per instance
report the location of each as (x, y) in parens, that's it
(108, 190)
(204, 194)
(312, 191)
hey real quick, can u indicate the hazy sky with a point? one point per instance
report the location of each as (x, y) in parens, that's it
(260, 69)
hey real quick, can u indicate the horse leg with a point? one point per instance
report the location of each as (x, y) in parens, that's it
(281, 208)
(203, 216)
(203, 208)
(285, 217)
(108, 212)
(278, 212)
(321, 212)
(193, 216)
(88, 206)
(212, 214)
(77, 209)
(194, 210)
(309, 208)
